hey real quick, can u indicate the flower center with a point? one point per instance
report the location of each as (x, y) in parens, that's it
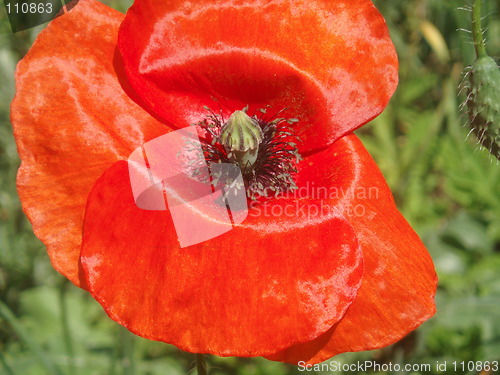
(265, 150)
(241, 136)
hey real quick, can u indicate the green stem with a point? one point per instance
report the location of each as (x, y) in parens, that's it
(116, 351)
(201, 365)
(44, 360)
(68, 342)
(477, 32)
(128, 360)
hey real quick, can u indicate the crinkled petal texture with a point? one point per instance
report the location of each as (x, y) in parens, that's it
(279, 279)
(330, 61)
(399, 281)
(272, 282)
(72, 120)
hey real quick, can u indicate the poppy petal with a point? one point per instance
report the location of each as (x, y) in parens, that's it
(72, 120)
(276, 280)
(331, 62)
(399, 281)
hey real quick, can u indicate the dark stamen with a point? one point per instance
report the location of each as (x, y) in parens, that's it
(272, 172)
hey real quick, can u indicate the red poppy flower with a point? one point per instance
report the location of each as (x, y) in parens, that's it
(287, 283)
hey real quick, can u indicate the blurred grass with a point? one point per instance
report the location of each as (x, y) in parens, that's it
(446, 186)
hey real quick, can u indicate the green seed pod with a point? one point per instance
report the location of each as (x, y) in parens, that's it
(483, 103)
(241, 136)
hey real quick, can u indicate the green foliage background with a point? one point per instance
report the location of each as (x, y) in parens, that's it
(445, 185)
